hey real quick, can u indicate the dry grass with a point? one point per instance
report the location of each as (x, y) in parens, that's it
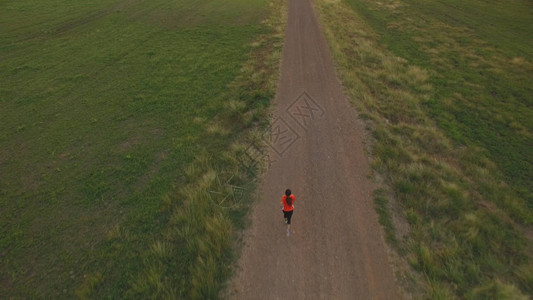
(200, 234)
(454, 242)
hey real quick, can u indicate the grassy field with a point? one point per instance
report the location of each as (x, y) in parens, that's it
(482, 56)
(445, 87)
(110, 110)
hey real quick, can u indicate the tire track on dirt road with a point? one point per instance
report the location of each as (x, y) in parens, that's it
(336, 248)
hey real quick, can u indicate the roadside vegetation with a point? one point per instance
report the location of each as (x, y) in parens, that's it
(445, 89)
(121, 122)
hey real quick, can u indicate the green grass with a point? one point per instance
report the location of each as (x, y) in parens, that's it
(448, 103)
(480, 56)
(103, 107)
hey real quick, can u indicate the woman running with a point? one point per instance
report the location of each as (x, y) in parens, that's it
(287, 205)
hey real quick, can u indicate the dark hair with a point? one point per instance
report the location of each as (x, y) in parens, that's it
(288, 198)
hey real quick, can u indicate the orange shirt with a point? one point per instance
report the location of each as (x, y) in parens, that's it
(284, 202)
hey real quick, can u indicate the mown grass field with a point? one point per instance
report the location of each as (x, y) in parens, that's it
(445, 87)
(105, 108)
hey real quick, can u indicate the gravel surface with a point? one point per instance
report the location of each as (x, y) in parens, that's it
(336, 248)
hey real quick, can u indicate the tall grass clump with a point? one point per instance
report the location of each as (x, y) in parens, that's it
(466, 215)
(192, 258)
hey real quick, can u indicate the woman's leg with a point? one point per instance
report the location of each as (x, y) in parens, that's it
(289, 216)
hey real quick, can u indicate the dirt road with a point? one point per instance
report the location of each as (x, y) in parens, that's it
(336, 249)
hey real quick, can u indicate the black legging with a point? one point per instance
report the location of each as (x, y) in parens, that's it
(287, 215)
